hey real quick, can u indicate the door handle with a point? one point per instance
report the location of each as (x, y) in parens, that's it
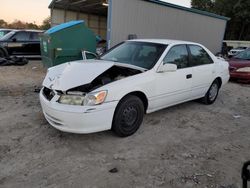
(189, 76)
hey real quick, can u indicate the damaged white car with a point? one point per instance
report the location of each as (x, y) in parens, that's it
(134, 78)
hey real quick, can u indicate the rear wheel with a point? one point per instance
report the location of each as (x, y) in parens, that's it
(128, 116)
(212, 93)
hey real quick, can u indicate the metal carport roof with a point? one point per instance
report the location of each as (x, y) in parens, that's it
(85, 6)
(96, 7)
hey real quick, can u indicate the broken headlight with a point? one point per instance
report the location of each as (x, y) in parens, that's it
(96, 98)
(71, 99)
(90, 99)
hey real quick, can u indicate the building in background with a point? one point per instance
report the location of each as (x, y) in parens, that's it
(117, 20)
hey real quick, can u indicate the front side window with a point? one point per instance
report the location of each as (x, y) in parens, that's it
(177, 55)
(141, 54)
(199, 56)
(21, 36)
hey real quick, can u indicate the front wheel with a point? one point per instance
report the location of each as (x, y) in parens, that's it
(3, 53)
(128, 116)
(212, 93)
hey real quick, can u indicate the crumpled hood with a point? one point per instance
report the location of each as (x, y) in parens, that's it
(73, 74)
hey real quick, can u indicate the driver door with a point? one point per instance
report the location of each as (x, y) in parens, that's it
(18, 43)
(174, 87)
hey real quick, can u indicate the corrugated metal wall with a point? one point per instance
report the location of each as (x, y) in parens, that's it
(97, 23)
(150, 20)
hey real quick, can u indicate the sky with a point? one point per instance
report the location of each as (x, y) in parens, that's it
(36, 11)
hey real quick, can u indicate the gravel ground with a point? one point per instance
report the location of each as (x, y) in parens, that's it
(189, 145)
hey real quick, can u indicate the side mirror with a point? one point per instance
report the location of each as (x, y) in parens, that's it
(14, 40)
(168, 67)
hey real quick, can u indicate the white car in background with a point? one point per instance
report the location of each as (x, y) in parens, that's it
(134, 78)
(236, 51)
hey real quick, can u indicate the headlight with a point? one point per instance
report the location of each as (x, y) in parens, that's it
(3, 44)
(71, 99)
(90, 99)
(96, 98)
(245, 69)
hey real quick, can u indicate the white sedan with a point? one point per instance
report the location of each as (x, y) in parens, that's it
(134, 78)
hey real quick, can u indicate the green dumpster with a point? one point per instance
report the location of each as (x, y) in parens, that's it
(66, 42)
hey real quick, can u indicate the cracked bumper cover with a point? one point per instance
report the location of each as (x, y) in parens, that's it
(78, 119)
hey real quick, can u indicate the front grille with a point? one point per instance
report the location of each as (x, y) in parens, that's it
(48, 93)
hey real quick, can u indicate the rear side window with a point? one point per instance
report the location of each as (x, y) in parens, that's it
(34, 36)
(199, 56)
(177, 55)
(22, 36)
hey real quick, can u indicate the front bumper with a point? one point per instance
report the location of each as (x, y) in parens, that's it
(240, 75)
(78, 119)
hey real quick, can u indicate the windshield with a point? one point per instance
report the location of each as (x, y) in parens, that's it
(244, 55)
(8, 35)
(3, 32)
(141, 54)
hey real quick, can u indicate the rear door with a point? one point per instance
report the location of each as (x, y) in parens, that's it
(203, 70)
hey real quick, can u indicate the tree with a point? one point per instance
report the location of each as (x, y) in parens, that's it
(242, 13)
(46, 23)
(31, 26)
(3, 24)
(17, 24)
(206, 5)
(238, 27)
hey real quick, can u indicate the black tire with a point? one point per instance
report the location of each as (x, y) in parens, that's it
(3, 52)
(128, 116)
(212, 93)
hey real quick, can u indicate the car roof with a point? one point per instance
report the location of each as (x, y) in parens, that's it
(163, 41)
(31, 30)
(6, 29)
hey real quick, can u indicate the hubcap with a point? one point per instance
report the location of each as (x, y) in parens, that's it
(129, 116)
(213, 92)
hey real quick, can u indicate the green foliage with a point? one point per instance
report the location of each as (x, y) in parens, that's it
(238, 27)
(205, 5)
(17, 24)
(46, 23)
(3, 24)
